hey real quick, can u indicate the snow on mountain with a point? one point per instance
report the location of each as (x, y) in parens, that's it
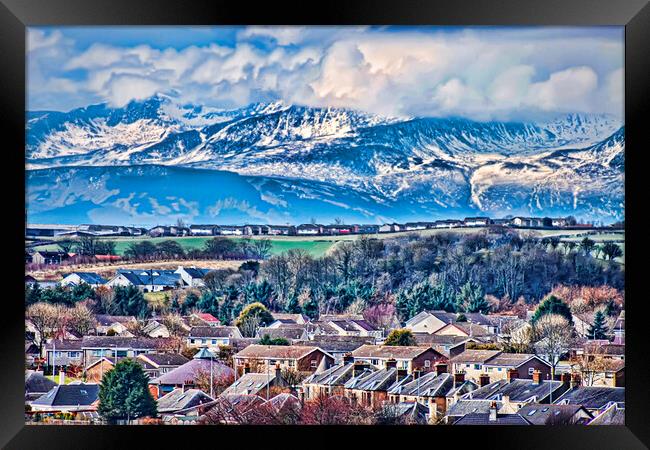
(570, 164)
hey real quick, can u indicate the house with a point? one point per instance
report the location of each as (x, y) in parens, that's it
(476, 221)
(64, 353)
(212, 336)
(492, 417)
(465, 329)
(156, 329)
(285, 230)
(471, 362)
(339, 229)
(68, 398)
(430, 389)
(370, 388)
(257, 383)
(592, 398)
(156, 364)
(405, 413)
(96, 347)
(204, 230)
(368, 229)
(309, 229)
(291, 333)
(541, 414)
(462, 407)
(346, 326)
(230, 230)
(432, 321)
(261, 358)
(390, 228)
(77, 278)
(281, 319)
(408, 358)
(331, 381)
(36, 385)
(448, 345)
(337, 346)
(112, 324)
(187, 375)
(526, 364)
(447, 223)
(181, 401)
(95, 371)
(192, 276)
(147, 280)
(614, 414)
(415, 226)
(202, 319)
(49, 257)
(160, 230)
(559, 222)
(514, 393)
(619, 329)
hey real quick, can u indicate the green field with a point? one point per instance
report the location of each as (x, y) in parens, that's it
(315, 247)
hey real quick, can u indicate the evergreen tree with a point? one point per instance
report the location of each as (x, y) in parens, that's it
(293, 305)
(552, 305)
(175, 305)
(208, 303)
(191, 301)
(129, 301)
(310, 308)
(124, 393)
(255, 310)
(598, 330)
(443, 298)
(471, 298)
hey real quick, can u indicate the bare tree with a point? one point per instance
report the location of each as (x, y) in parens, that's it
(249, 325)
(553, 336)
(81, 319)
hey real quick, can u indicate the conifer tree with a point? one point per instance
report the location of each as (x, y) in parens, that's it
(598, 330)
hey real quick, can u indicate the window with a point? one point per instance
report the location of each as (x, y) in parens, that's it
(477, 367)
(191, 341)
(314, 363)
(489, 369)
(97, 353)
(498, 369)
(531, 370)
(427, 363)
(214, 342)
(121, 354)
(374, 362)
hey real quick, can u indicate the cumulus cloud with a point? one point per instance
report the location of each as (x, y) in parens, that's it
(479, 73)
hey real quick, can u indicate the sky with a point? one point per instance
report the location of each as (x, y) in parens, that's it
(482, 73)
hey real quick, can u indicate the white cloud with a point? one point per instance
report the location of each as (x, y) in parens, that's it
(481, 74)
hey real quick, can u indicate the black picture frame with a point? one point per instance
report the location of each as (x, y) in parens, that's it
(16, 15)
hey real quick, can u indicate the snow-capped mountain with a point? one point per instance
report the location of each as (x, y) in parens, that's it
(387, 167)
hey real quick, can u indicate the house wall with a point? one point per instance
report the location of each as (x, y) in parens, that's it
(451, 331)
(429, 325)
(96, 372)
(311, 362)
(421, 361)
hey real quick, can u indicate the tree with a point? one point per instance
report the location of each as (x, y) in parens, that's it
(587, 245)
(611, 250)
(43, 317)
(311, 308)
(380, 316)
(129, 301)
(81, 319)
(400, 337)
(251, 317)
(552, 305)
(334, 410)
(293, 305)
(472, 299)
(553, 336)
(268, 340)
(262, 248)
(124, 393)
(598, 330)
(170, 249)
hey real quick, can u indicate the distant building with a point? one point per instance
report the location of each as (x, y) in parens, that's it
(49, 257)
(77, 278)
(476, 221)
(309, 229)
(148, 280)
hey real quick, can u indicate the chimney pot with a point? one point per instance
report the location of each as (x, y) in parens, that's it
(493, 411)
(391, 363)
(575, 380)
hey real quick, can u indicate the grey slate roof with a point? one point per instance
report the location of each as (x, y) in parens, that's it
(220, 331)
(121, 342)
(286, 332)
(178, 399)
(378, 380)
(165, 359)
(69, 395)
(157, 277)
(250, 383)
(338, 344)
(191, 369)
(518, 390)
(542, 414)
(107, 319)
(334, 376)
(428, 385)
(613, 415)
(593, 397)
(35, 382)
(484, 419)
(64, 345)
(463, 407)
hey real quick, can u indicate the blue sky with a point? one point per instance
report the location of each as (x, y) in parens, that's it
(483, 73)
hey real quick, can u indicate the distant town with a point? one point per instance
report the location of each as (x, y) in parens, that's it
(305, 229)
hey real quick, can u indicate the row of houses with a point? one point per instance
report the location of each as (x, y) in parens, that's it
(310, 229)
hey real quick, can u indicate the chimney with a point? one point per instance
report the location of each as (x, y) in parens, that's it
(358, 367)
(565, 378)
(391, 363)
(493, 412)
(512, 374)
(401, 373)
(459, 378)
(348, 358)
(441, 368)
(483, 379)
(416, 374)
(537, 377)
(575, 380)
(278, 371)
(247, 368)
(61, 376)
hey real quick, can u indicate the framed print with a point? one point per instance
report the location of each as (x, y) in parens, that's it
(386, 219)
